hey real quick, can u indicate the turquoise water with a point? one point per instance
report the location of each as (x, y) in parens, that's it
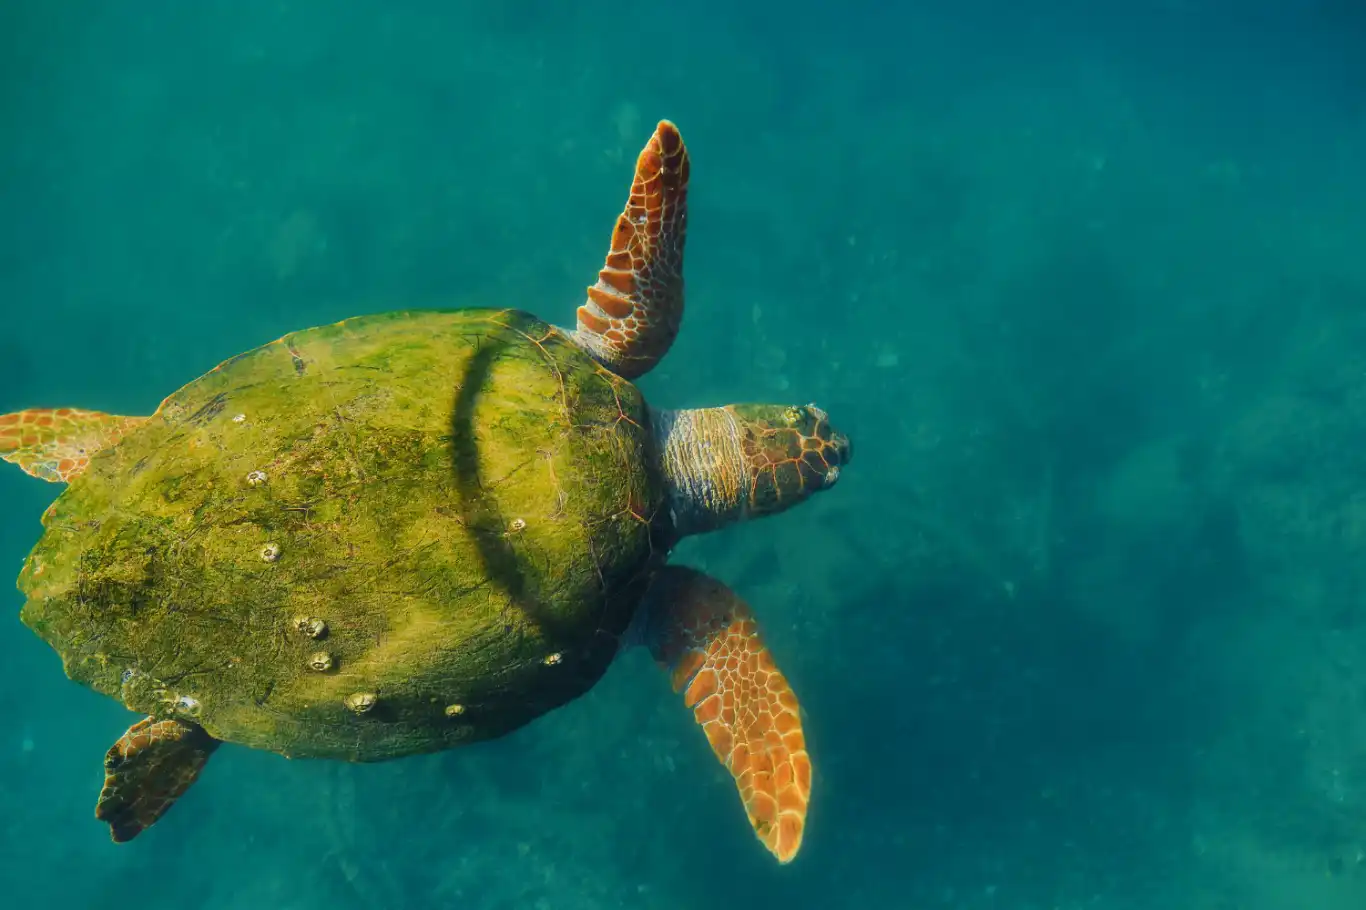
(1082, 625)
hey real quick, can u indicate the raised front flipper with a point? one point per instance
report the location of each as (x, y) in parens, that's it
(706, 636)
(56, 443)
(147, 770)
(633, 312)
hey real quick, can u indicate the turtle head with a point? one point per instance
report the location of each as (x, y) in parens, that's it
(746, 461)
(789, 452)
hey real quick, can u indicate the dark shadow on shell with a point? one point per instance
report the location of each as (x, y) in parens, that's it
(478, 509)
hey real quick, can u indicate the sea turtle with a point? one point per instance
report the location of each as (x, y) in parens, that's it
(412, 530)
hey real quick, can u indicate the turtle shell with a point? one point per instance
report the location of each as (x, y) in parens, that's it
(386, 536)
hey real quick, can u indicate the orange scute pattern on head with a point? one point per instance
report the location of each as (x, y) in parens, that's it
(634, 311)
(147, 770)
(56, 444)
(790, 453)
(708, 639)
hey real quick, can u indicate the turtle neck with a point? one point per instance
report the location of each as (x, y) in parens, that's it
(703, 464)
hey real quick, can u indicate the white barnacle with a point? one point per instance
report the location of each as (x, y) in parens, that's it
(187, 704)
(240, 418)
(455, 710)
(270, 552)
(551, 660)
(310, 626)
(360, 702)
(518, 525)
(256, 478)
(320, 661)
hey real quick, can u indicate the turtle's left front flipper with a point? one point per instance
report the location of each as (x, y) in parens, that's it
(147, 770)
(56, 444)
(633, 312)
(707, 638)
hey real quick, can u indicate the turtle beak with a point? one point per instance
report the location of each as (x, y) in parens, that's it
(844, 449)
(837, 455)
(837, 451)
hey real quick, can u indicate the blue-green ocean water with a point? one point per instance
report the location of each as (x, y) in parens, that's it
(1081, 627)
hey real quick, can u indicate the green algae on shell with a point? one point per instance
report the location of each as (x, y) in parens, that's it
(482, 543)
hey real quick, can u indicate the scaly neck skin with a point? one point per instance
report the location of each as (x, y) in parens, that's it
(742, 461)
(704, 466)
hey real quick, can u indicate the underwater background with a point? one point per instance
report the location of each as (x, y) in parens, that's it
(1083, 624)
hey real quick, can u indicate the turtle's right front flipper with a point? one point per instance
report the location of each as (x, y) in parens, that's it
(707, 638)
(56, 444)
(147, 770)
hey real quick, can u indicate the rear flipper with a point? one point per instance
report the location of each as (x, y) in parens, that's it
(56, 444)
(147, 770)
(707, 637)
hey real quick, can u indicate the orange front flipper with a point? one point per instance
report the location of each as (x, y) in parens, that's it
(56, 443)
(707, 638)
(147, 770)
(633, 312)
